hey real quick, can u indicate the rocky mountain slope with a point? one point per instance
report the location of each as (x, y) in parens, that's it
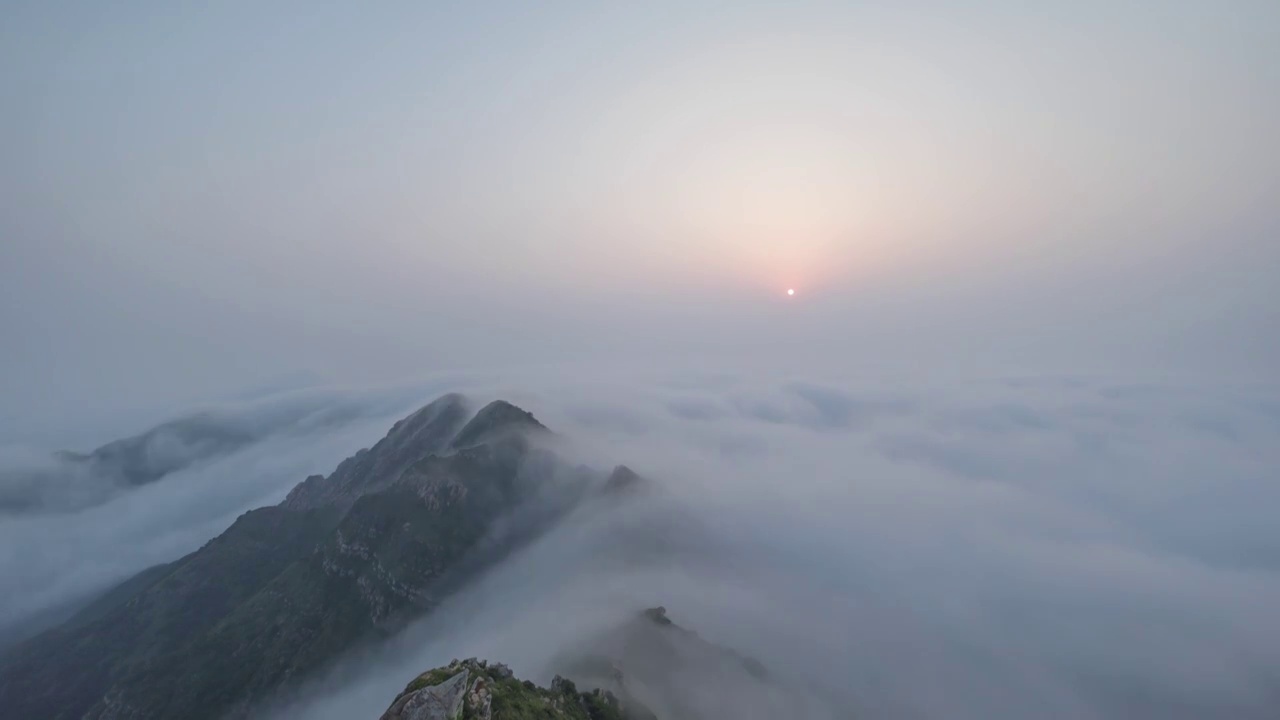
(343, 560)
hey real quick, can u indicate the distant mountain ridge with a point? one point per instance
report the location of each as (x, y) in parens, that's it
(69, 480)
(344, 559)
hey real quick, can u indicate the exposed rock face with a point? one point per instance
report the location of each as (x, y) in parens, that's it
(345, 559)
(476, 690)
(436, 702)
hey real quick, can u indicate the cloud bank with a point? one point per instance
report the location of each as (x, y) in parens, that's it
(1058, 548)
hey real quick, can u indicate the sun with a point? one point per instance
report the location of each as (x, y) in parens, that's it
(791, 291)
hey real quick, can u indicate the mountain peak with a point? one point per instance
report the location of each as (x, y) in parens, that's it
(623, 479)
(426, 414)
(658, 615)
(425, 432)
(493, 419)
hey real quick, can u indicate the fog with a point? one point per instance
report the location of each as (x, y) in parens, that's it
(1053, 546)
(198, 201)
(90, 532)
(1012, 449)
(1050, 548)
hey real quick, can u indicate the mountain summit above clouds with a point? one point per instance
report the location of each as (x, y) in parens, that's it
(343, 561)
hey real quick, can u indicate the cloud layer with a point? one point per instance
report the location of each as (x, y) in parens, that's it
(1034, 547)
(1050, 548)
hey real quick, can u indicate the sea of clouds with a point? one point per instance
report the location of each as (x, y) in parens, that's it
(1037, 547)
(1007, 548)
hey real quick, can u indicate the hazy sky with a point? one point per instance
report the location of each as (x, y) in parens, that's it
(1013, 440)
(196, 201)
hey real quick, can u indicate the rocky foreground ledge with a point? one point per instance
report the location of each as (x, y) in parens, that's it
(476, 689)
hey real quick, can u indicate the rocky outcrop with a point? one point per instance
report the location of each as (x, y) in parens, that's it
(442, 701)
(477, 690)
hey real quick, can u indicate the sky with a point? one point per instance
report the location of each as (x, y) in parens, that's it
(199, 202)
(1009, 450)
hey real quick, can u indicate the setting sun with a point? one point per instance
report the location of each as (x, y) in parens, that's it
(791, 291)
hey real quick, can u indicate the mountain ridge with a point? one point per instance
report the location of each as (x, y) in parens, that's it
(67, 480)
(344, 559)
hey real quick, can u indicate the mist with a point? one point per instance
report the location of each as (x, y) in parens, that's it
(196, 203)
(1049, 547)
(1011, 449)
(1057, 546)
(90, 532)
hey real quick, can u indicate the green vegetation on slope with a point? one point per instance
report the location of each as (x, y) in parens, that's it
(493, 693)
